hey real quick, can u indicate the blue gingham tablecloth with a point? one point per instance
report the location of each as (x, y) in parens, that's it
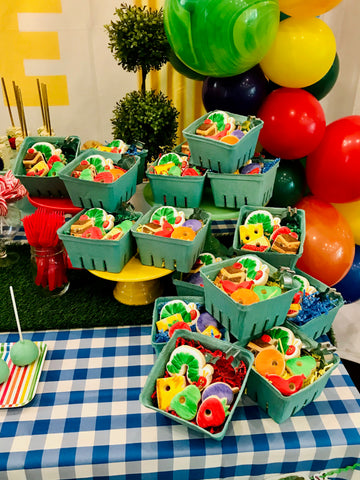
(86, 421)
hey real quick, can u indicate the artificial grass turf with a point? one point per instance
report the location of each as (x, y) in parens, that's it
(88, 303)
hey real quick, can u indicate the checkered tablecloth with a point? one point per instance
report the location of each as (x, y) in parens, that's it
(86, 421)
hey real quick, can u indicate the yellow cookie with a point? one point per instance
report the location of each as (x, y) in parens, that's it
(251, 232)
(167, 388)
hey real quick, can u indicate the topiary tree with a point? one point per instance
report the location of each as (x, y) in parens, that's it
(149, 117)
(138, 42)
(137, 39)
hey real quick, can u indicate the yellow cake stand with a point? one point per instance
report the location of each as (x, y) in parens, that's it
(137, 284)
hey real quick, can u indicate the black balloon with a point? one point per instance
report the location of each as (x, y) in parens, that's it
(241, 94)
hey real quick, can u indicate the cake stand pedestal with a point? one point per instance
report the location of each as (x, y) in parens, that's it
(137, 284)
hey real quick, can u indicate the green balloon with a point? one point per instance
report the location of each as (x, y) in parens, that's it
(180, 67)
(221, 38)
(321, 88)
(290, 184)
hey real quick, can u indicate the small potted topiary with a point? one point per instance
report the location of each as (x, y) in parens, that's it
(138, 42)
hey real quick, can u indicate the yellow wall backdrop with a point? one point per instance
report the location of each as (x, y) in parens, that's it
(64, 44)
(16, 46)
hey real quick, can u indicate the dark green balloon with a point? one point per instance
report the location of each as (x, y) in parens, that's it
(180, 67)
(290, 184)
(321, 88)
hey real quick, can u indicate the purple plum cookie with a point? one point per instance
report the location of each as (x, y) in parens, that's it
(220, 390)
(194, 224)
(204, 321)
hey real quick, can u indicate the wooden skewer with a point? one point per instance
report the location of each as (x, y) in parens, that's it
(41, 102)
(18, 107)
(22, 112)
(7, 101)
(46, 108)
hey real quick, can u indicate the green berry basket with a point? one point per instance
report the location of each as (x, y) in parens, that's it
(101, 255)
(275, 258)
(278, 406)
(141, 167)
(160, 302)
(177, 191)
(109, 196)
(171, 253)
(184, 288)
(46, 186)
(244, 321)
(233, 191)
(321, 324)
(219, 156)
(213, 344)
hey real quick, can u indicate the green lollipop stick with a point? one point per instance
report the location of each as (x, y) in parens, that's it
(16, 313)
(23, 352)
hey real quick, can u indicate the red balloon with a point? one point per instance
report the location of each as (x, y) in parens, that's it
(333, 168)
(294, 123)
(329, 246)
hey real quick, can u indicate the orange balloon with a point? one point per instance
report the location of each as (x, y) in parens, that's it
(329, 246)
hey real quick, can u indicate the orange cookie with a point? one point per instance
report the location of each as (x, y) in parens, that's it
(245, 296)
(269, 362)
(183, 233)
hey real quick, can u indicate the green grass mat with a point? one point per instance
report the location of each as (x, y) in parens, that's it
(88, 303)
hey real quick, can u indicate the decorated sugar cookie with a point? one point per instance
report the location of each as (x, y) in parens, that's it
(269, 361)
(208, 325)
(285, 341)
(261, 244)
(222, 119)
(304, 365)
(256, 271)
(194, 224)
(165, 323)
(183, 233)
(178, 326)
(188, 311)
(265, 292)
(171, 157)
(46, 148)
(167, 388)
(98, 214)
(305, 285)
(190, 361)
(170, 214)
(185, 403)
(220, 390)
(265, 218)
(98, 161)
(245, 296)
(251, 232)
(287, 386)
(212, 412)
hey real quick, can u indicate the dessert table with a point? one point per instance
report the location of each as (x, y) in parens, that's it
(86, 421)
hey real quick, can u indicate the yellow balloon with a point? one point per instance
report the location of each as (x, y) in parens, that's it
(306, 8)
(351, 212)
(302, 53)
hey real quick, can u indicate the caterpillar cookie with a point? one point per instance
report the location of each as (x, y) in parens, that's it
(190, 361)
(284, 340)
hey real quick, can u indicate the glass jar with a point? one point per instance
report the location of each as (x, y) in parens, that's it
(49, 266)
